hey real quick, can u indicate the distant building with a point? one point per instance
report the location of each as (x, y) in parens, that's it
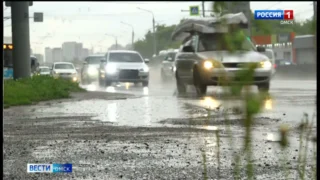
(85, 53)
(78, 52)
(40, 58)
(57, 55)
(7, 39)
(305, 49)
(48, 55)
(69, 51)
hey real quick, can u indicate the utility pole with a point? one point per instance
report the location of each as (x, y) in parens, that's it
(132, 40)
(132, 44)
(315, 26)
(154, 31)
(154, 36)
(203, 10)
(116, 43)
(20, 39)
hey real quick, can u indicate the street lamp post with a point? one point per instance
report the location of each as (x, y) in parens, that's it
(116, 39)
(154, 31)
(132, 41)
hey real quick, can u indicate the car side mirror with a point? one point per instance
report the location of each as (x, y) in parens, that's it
(146, 61)
(188, 49)
(261, 49)
(84, 63)
(103, 61)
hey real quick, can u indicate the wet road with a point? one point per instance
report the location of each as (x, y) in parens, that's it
(154, 135)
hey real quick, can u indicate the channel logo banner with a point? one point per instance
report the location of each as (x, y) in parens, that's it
(274, 14)
(49, 168)
(269, 14)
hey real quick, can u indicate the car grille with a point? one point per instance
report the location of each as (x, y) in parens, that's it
(234, 65)
(129, 74)
(64, 74)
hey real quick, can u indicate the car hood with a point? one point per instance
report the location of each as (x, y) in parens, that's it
(44, 73)
(65, 70)
(93, 65)
(228, 57)
(127, 65)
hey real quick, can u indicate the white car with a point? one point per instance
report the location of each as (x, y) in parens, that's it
(64, 70)
(270, 54)
(43, 70)
(124, 66)
(90, 68)
(168, 64)
(206, 58)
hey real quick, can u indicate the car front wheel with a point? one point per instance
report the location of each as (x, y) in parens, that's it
(163, 76)
(264, 87)
(181, 87)
(145, 83)
(101, 82)
(108, 83)
(201, 88)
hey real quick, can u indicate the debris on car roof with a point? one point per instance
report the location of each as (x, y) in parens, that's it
(208, 25)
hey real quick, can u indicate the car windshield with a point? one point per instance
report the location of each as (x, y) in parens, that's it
(217, 42)
(63, 66)
(44, 70)
(125, 57)
(268, 54)
(171, 55)
(94, 60)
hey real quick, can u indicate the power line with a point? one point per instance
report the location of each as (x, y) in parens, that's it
(274, 5)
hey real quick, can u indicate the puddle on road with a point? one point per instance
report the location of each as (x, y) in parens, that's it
(119, 88)
(134, 112)
(155, 111)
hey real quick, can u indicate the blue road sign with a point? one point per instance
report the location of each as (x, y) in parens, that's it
(7, 73)
(194, 11)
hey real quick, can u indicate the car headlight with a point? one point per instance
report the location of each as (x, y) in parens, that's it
(111, 69)
(266, 64)
(145, 69)
(208, 65)
(92, 71)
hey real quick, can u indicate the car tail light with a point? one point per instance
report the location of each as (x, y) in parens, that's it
(275, 66)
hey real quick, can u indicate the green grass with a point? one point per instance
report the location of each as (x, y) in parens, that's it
(37, 88)
(252, 106)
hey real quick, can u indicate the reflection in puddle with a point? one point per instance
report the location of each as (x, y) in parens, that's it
(210, 102)
(127, 86)
(210, 142)
(145, 91)
(272, 137)
(111, 89)
(133, 112)
(112, 112)
(210, 128)
(268, 104)
(147, 112)
(91, 87)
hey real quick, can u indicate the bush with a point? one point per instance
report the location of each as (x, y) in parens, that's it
(37, 88)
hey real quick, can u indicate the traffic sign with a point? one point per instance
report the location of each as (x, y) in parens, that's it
(8, 3)
(194, 11)
(38, 17)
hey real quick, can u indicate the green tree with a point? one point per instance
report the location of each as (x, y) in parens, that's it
(163, 39)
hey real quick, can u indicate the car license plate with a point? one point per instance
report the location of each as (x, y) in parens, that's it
(231, 73)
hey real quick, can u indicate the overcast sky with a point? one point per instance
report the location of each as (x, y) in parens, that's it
(88, 22)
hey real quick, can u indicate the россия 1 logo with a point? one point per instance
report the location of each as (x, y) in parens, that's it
(286, 16)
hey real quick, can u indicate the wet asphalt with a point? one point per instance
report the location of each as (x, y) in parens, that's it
(133, 132)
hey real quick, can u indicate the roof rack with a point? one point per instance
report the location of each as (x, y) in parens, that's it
(209, 25)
